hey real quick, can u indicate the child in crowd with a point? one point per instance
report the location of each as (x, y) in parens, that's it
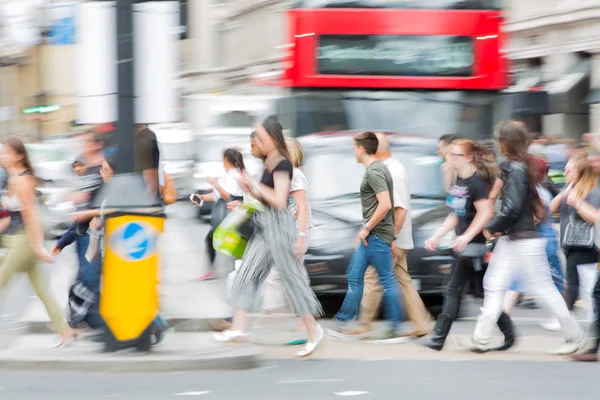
(71, 235)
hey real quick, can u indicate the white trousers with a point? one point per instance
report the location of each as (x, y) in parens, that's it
(588, 275)
(526, 259)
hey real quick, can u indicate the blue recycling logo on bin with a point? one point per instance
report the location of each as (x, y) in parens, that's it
(134, 241)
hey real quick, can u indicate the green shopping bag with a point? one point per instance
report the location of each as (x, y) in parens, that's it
(231, 236)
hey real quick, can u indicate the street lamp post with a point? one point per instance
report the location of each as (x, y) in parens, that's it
(124, 137)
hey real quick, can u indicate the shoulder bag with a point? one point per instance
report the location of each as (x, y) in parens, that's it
(578, 233)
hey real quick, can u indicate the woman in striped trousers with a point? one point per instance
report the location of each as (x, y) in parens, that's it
(273, 244)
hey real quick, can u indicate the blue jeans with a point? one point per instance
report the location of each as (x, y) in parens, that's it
(378, 254)
(555, 267)
(81, 243)
(90, 274)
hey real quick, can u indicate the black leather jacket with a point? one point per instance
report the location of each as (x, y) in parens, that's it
(515, 215)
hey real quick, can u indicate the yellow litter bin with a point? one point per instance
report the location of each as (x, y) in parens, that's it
(134, 222)
(129, 297)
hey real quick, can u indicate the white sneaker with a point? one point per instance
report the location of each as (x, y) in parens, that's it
(230, 336)
(468, 343)
(347, 335)
(572, 346)
(553, 325)
(312, 346)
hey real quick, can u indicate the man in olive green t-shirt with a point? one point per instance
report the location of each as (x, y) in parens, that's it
(374, 240)
(378, 180)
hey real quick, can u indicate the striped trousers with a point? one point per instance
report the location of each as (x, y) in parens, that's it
(272, 246)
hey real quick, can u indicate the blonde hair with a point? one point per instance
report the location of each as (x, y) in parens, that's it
(296, 152)
(587, 177)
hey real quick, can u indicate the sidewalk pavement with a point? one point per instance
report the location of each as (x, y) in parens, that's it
(189, 305)
(186, 304)
(198, 351)
(528, 348)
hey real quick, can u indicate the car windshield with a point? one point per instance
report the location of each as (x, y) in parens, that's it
(344, 175)
(211, 147)
(430, 113)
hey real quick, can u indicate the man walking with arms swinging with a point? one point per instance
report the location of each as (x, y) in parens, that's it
(374, 239)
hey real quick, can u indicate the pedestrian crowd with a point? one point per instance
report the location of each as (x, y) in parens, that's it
(501, 207)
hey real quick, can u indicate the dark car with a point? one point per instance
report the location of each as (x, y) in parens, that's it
(334, 178)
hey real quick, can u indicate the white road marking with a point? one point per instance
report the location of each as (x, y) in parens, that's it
(203, 392)
(350, 393)
(293, 381)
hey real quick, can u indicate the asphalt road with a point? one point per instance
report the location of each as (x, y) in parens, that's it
(321, 380)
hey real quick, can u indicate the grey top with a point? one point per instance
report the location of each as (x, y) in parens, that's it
(566, 211)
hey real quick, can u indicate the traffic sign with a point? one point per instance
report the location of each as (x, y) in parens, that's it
(134, 241)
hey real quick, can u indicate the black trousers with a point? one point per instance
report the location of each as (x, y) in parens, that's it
(210, 250)
(462, 273)
(577, 257)
(596, 327)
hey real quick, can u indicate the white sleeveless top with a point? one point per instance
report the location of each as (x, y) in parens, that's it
(11, 202)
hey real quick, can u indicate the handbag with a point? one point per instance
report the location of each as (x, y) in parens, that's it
(578, 233)
(94, 249)
(169, 192)
(220, 211)
(230, 237)
(476, 252)
(218, 214)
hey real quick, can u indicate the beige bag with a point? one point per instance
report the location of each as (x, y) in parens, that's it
(94, 247)
(93, 250)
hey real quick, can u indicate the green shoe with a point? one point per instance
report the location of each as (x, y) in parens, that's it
(297, 340)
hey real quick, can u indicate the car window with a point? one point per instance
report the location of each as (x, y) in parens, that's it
(344, 174)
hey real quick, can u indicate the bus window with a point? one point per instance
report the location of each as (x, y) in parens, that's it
(319, 114)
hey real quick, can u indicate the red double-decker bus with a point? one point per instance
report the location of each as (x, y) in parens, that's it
(426, 67)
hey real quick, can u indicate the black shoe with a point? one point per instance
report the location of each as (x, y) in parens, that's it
(440, 332)
(528, 304)
(508, 330)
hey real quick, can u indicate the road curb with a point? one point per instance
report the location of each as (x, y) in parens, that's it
(238, 359)
(190, 325)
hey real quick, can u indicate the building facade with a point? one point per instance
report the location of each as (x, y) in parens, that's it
(241, 45)
(554, 46)
(237, 46)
